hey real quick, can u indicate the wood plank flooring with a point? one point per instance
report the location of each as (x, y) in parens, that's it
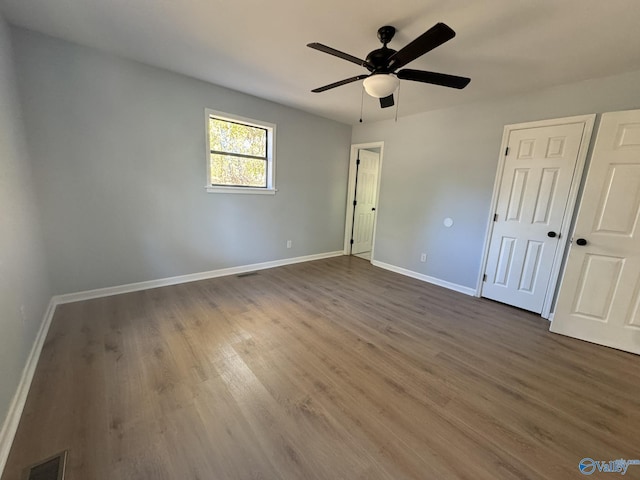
(332, 369)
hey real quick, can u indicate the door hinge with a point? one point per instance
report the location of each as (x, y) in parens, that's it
(351, 241)
(495, 217)
(355, 202)
(484, 277)
(358, 161)
(506, 152)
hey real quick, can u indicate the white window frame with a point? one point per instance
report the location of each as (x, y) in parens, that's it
(270, 189)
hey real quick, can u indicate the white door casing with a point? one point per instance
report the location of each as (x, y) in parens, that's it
(366, 200)
(599, 299)
(536, 190)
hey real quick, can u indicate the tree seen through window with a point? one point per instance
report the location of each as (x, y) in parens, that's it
(238, 154)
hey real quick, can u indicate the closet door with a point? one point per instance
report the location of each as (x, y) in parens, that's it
(536, 181)
(599, 299)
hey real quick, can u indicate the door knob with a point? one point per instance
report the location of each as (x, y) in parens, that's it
(373, 209)
(553, 235)
(581, 241)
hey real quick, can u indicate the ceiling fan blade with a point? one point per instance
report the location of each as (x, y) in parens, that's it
(442, 79)
(337, 53)
(386, 102)
(338, 84)
(432, 38)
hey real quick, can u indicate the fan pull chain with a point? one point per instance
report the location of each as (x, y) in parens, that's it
(398, 102)
(361, 102)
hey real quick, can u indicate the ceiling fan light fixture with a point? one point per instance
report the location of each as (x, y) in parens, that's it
(381, 85)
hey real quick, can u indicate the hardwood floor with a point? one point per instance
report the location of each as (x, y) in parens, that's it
(331, 369)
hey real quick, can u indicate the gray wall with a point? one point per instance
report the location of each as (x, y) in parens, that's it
(443, 164)
(118, 154)
(24, 284)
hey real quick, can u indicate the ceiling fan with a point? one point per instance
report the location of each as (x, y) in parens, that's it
(383, 64)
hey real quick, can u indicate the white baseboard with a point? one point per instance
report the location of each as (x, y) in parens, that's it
(10, 425)
(191, 277)
(425, 278)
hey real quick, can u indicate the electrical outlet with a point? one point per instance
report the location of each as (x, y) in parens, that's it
(288, 243)
(423, 257)
(22, 314)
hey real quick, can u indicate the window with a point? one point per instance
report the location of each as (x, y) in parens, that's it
(240, 154)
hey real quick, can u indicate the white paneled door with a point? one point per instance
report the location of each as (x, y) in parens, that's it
(532, 201)
(599, 299)
(366, 198)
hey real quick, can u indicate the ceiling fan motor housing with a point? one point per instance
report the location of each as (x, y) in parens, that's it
(377, 60)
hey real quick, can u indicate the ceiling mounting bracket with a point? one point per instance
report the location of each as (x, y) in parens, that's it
(386, 33)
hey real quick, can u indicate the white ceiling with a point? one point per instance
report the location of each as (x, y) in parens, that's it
(259, 46)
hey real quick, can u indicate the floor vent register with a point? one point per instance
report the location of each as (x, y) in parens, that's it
(50, 469)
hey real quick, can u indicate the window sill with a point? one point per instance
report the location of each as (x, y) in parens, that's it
(245, 190)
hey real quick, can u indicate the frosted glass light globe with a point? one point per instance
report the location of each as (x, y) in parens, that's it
(381, 85)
